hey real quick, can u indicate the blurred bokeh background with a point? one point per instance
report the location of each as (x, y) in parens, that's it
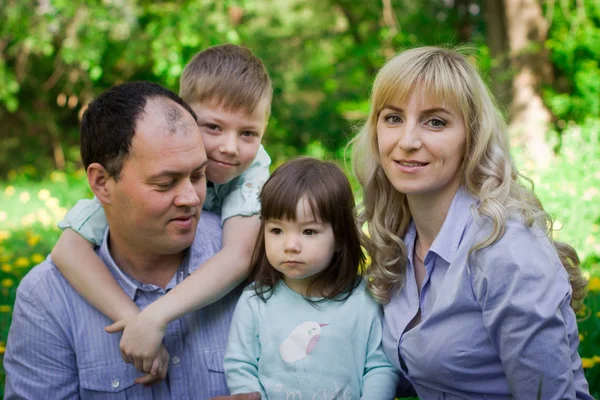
(541, 58)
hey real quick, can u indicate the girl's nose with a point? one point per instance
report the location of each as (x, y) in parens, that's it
(292, 244)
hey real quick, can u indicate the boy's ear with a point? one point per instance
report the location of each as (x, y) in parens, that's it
(99, 179)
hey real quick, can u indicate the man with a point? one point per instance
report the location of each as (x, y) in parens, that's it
(145, 162)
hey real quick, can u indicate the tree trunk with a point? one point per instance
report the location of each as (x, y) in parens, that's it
(529, 118)
(496, 38)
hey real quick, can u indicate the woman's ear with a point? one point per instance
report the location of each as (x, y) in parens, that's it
(99, 179)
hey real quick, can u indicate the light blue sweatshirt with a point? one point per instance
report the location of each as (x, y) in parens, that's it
(289, 349)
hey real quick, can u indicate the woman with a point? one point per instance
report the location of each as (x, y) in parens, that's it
(477, 302)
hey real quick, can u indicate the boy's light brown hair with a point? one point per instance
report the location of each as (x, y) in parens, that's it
(229, 76)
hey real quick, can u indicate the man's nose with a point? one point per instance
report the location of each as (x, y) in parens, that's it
(189, 194)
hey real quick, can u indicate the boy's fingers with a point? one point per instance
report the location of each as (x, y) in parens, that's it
(146, 380)
(115, 327)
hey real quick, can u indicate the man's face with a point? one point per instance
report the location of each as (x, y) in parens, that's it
(155, 206)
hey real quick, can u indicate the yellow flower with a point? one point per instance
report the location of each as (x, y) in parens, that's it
(4, 235)
(51, 202)
(598, 314)
(5, 308)
(57, 176)
(580, 337)
(6, 268)
(594, 285)
(596, 359)
(37, 258)
(22, 262)
(32, 240)
(3, 216)
(9, 191)
(24, 197)
(43, 194)
(7, 282)
(587, 362)
(2, 348)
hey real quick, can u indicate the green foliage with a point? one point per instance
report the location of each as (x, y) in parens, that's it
(573, 44)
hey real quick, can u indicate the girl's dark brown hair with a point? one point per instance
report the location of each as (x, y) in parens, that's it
(329, 194)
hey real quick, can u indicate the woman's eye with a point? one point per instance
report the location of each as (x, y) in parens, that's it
(392, 119)
(436, 123)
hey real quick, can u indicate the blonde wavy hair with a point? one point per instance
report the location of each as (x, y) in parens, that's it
(488, 170)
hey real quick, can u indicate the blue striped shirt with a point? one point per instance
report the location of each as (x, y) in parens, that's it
(57, 347)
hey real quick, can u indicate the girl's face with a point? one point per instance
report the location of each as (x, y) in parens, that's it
(421, 146)
(299, 249)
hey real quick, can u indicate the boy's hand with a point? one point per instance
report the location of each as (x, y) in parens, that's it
(159, 368)
(141, 341)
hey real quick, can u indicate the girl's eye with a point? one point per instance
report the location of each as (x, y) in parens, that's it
(436, 123)
(392, 119)
(276, 231)
(309, 232)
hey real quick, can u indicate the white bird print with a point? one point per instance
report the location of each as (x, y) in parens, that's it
(300, 342)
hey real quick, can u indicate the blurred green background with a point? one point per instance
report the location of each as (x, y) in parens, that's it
(540, 58)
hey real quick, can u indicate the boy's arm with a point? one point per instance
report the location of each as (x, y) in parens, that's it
(77, 261)
(213, 280)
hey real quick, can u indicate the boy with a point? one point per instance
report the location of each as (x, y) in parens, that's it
(230, 91)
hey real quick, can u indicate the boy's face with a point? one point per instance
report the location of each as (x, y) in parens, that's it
(231, 138)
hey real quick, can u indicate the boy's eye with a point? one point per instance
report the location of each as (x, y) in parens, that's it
(249, 134)
(212, 127)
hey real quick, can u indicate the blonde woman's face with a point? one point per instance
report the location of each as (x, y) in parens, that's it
(421, 145)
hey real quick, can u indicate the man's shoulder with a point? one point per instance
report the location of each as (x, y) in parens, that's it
(40, 276)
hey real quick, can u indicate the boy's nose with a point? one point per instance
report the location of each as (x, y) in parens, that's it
(229, 145)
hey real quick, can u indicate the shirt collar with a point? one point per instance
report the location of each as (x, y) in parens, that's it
(450, 236)
(131, 285)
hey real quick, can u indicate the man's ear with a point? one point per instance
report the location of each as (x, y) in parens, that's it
(99, 180)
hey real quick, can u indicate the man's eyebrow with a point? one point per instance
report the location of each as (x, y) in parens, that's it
(174, 173)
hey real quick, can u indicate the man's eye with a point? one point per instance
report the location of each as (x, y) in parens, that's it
(165, 185)
(197, 177)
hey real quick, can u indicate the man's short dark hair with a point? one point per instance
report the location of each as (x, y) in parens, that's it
(109, 123)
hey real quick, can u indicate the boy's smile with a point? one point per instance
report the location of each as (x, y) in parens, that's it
(231, 138)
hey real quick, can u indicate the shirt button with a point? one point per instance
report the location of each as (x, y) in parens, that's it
(115, 383)
(176, 360)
